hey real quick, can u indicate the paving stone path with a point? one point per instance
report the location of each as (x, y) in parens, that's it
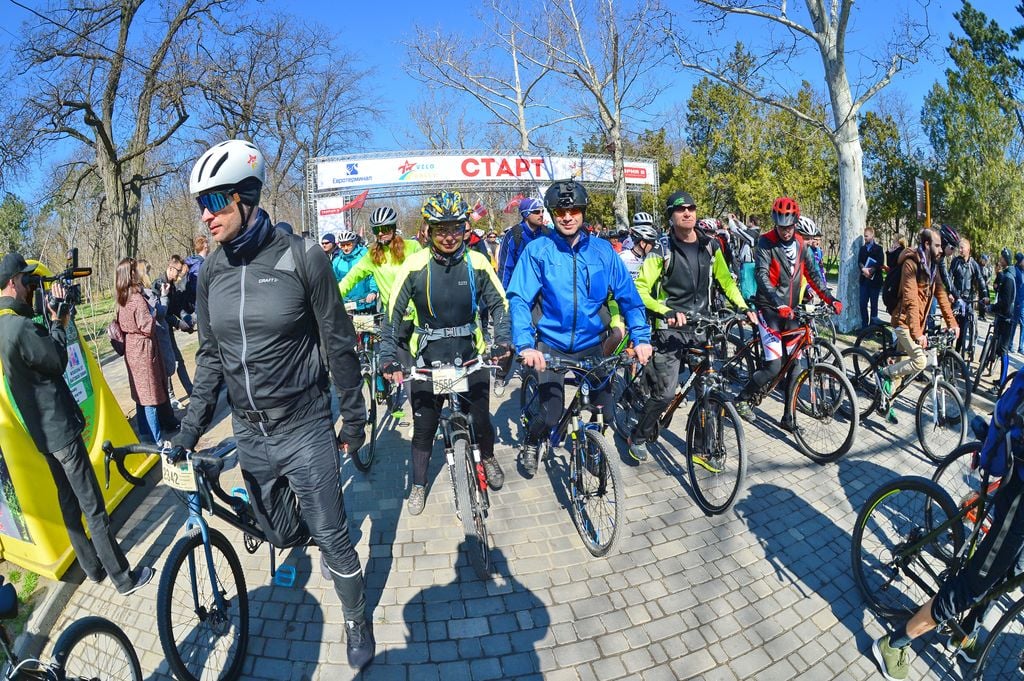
(762, 592)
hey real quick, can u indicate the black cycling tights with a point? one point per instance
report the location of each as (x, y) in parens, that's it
(426, 412)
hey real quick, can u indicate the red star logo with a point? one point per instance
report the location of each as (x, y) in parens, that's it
(406, 167)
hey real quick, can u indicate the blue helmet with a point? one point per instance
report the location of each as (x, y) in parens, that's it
(528, 205)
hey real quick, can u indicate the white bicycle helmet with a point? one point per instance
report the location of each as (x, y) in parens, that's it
(345, 236)
(383, 217)
(642, 218)
(807, 228)
(227, 165)
(708, 225)
(642, 232)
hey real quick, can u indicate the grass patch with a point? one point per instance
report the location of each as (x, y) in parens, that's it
(27, 584)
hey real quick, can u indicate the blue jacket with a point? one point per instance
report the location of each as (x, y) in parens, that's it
(341, 264)
(571, 286)
(1018, 279)
(509, 253)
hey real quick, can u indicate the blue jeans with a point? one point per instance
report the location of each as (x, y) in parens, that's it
(868, 295)
(153, 421)
(1017, 322)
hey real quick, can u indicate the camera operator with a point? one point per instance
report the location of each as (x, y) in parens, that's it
(34, 357)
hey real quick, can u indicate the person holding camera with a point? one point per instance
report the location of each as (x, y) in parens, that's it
(34, 357)
(179, 318)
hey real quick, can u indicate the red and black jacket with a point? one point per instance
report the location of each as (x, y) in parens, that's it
(777, 286)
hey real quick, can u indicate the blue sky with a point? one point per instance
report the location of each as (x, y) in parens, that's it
(374, 32)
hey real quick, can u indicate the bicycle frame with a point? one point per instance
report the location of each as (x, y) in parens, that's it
(804, 338)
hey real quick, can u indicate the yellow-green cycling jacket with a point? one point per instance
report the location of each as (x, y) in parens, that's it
(383, 274)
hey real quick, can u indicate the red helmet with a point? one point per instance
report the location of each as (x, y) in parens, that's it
(785, 212)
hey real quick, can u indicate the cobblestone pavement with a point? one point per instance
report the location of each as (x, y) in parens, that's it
(762, 592)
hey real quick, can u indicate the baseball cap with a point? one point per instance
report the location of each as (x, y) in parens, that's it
(12, 264)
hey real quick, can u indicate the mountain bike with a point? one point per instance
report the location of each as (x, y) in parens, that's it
(376, 391)
(879, 336)
(469, 479)
(910, 537)
(716, 458)
(91, 648)
(988, 361)
(202, 608)
(821, 398)
(968, 330)
(940, 417)
(596, 493)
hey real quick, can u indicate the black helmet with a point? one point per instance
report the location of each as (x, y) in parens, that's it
(565, 194)
(676, 199)
(950, 237)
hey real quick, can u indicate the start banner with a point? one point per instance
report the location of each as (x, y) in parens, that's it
(377, 172)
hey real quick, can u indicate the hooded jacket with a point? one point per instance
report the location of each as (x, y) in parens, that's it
(342, 264)
(917, 288)
(383, 274)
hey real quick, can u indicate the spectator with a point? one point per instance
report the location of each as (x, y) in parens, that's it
(146, 375)
(157, 299)
(34, 356)
(871, 260)
(1018, 306)
(179, 318)
(195, 263)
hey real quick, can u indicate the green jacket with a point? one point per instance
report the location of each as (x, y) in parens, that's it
(383, 274)
(652, 292)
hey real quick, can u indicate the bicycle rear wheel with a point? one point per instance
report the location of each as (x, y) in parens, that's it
(363, 459)
(940, 420)
(201, 639)
(624, 417)
(716, 456)
(963, 484)
(897, 516)
(1002, 654)
(860, 369)
(474, 521)
(985, 360)
(874, 338)
(596, 494)
(957, 373)
(96, 648)
(825, 408)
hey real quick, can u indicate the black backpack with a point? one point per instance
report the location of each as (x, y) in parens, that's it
(891, 287)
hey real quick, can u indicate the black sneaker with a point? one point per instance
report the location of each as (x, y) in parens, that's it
(142, 578)
(495, 476)
(529, 455)
(360, 644)
(788, 424)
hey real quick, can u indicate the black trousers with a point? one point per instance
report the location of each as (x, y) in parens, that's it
(295, 490)
(78, 494)
(551, 394)
(672, 347)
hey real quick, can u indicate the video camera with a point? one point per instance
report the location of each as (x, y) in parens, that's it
(72, 292)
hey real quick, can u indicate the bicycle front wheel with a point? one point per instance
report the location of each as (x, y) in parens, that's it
(474, 521)
(893, 581)
(596, 493)
(716, 456)
(363, 459)
(96, 648)
(941, 420)
(825, 408)
(956, 372)
(1002, 654)
(203, 636)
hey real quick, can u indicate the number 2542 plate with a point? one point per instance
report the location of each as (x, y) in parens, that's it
(180, 476)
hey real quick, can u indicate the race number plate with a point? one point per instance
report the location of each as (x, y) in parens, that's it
(450, 380)
(363, 322)
(180, 476)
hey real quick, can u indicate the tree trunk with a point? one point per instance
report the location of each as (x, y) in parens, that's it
(620, 207)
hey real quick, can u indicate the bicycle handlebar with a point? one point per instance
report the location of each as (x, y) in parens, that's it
(117, 455)
(584, 365)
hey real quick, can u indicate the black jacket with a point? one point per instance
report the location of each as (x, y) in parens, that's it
(34, 358)
(177, 302)
(261, 328)
(777, 284)
(1006, 294)
(875, 252)
(965, 278)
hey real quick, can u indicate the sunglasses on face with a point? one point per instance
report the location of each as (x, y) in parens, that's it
(539, 211)
(562, 212)
(326, 243)
(448, 232)
(216, 201)
(689, 208)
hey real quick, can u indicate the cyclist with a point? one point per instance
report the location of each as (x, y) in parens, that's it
(998, 555)
(570, 276)
(363, 294)
(518, 236)
(672, 286)
(446, 286)
(382, 262)
(277, 312)
(643, 238)
(919, 288)
(783, 262)
(811, 233)
(966, 280)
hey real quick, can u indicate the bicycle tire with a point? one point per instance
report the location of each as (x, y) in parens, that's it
(828, 332)
(949, 416)
(741, 364)
(860, 369)
(885, 584)
(957, 373)
(991, 665)
(96, 648)
(832, 400)
(718, 482)
(363, 459)
(874, 338)
(474, 521)
(956, 476)
(985, 360)
(209, 625)
(596, 493)
(1002, 386)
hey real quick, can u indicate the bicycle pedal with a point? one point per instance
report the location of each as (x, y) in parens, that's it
(285, 576)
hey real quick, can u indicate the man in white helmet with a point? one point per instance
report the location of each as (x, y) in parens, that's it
(267, 304)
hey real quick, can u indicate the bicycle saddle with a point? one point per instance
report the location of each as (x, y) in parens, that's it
(8, 601)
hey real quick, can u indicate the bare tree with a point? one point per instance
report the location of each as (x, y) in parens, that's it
(492, 70)
(827, 32)
(100, 76)
(441, 125)
(608, 55)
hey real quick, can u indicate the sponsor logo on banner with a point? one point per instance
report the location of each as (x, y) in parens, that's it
(411, 170)
(330, 211)
(350, 179)
(634, 172)
(491, 167)
(352, 169)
